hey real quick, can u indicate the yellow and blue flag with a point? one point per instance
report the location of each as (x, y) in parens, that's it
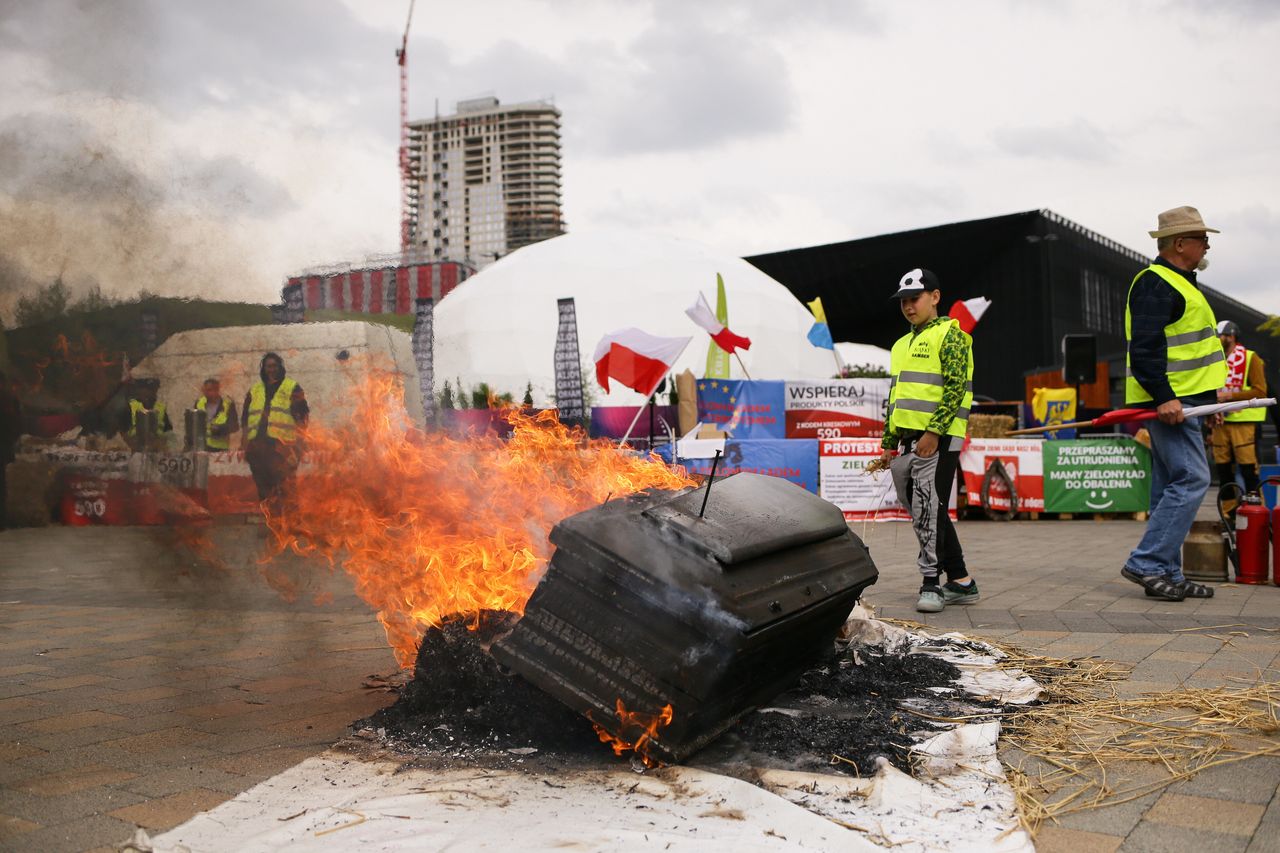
(820, 334)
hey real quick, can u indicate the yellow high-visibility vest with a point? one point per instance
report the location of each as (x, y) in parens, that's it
(916, 388)
(1246, 416)
(280, 423)
(215, 442)
(1196, 363)
(136, 408)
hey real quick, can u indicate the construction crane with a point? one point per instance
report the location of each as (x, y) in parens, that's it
(407, 194)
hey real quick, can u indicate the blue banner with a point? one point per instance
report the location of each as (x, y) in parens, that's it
(743, 408)
(793, 459)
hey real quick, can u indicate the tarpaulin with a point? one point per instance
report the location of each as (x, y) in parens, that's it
(791, 459)
(743, 408)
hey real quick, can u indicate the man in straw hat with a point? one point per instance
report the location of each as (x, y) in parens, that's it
(1174, 359)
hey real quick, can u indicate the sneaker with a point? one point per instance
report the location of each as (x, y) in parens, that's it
(954, 593)
(931, 600)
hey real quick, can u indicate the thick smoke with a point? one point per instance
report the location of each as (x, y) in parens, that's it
(91, 187)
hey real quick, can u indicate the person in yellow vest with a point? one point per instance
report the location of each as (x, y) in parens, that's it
(143, 400)
(220, 419)
(929, 400)
(1174, 360)
(1236, 438)
(274, 410)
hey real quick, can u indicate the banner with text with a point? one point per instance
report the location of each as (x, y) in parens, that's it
(844, 481)
(568, 366)
(1021, 459)
(836, 408)
(791, 459)
(1097, 475)
(743, 408)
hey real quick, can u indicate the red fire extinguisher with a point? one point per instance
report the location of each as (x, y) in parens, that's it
(1253, 540)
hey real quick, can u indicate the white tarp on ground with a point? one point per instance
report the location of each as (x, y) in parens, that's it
(959, 801)
(499, 326)
(326, 359)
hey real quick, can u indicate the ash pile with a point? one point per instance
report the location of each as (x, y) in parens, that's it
(672, 626)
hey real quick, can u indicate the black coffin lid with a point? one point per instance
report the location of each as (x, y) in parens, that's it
(748, 516)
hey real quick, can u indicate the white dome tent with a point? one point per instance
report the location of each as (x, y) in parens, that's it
(499, 326)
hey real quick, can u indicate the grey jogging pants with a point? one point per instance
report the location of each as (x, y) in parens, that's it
(924, 487)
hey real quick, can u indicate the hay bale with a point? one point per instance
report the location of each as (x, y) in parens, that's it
(31, 493)
(990, 426)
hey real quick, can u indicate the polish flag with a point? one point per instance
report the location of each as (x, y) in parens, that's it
(969, 312)
(636, 359)
(700, 312)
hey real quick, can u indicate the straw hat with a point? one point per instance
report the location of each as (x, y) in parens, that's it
(1180, 220)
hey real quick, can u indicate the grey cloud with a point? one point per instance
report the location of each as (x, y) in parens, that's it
(695, 89)
(183, 56)
(1077, 141)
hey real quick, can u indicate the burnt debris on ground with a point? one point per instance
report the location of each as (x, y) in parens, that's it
(461, 706)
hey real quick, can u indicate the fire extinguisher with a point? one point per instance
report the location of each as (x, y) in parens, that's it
(1253, 537)
(1275, 530)
(1249, 539)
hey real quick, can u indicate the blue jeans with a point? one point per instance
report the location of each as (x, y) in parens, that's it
(1179, 480)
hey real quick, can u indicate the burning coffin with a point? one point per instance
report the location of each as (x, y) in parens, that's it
(645, 605)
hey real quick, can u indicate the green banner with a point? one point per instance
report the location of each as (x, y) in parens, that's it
(1097, 475)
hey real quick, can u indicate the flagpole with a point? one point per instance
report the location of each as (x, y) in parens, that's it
(740, 364)
(639, 412)
(839, 363)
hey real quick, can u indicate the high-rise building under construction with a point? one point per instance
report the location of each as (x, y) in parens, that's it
(487, 180)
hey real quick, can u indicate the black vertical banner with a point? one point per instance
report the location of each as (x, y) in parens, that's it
(423, 344)
(294, 304)
(278, 315)
(568, 367)
(149, 331)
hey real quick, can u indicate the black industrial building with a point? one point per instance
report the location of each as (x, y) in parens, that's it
(1046, 277)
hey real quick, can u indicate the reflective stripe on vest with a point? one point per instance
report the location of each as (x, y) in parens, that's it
(1246, 416)
(1196, 363)
(136, 408)
(280, 423)
(916, 388)
(212, 441)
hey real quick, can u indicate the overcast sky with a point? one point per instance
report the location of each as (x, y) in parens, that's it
(212, 148)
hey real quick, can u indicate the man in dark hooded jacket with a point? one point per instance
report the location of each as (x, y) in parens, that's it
(274, 410)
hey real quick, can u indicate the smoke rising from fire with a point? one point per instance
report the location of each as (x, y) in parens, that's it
(117, 213)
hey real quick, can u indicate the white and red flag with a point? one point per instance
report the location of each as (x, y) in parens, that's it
(636, 359)
(700, 312)
(968, 312)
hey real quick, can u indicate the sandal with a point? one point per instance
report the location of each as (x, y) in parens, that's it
(1190, 590)
(1157, 586)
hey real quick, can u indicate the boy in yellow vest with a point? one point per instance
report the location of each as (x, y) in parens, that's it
(929, 400)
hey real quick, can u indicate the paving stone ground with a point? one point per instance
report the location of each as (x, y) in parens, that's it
(140, 686)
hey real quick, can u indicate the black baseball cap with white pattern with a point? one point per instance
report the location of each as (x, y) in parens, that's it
(916, 282)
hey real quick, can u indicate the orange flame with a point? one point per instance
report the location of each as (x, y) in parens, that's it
(433, 526)
(647, 725)
(85, 360)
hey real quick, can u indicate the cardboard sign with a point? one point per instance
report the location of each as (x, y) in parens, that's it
(1097, 475)
(836, 408)
(846, 484)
